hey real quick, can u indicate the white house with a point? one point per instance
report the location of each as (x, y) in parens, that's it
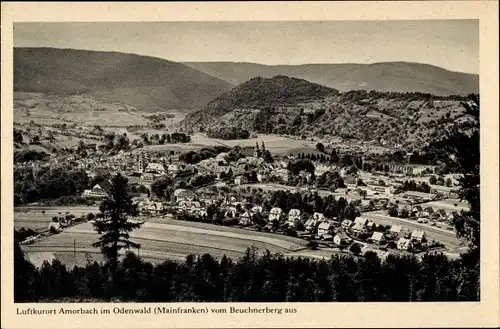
(341, 239)
(256, 209)
(173, 169)
(310, 224)
(240, 180)
(230, 212)
(245, 218)
(96, 192)
(378, 238)
(325, 229)
(55, 226)
(293, 215)
(275, 214)
(319, 217)
(320, 169)
(395, 230)
(183, 195)
(418, 236)
(282, 173)
(346, 223)
(155, 167)
(404, 244)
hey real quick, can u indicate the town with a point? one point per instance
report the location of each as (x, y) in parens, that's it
(336, 202)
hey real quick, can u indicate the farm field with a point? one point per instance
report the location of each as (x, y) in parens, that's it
(112, 116)
(32, 217)
(274, 143)
(159, 241)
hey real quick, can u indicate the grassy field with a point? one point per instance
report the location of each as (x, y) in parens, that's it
(274, 143)
(52, 109)
(32, 217)
(161, 240)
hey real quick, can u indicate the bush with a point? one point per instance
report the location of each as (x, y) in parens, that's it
(228, 133)
(312, 245)
(355, 249)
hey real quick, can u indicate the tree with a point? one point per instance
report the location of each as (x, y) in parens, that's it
(334, 158)
(113, 224)
(162, 187)
(432, 180)
(355, 249)
(461, 145)
(18, 136)
(320, 147)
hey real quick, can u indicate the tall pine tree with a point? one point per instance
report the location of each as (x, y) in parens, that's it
(113, 224)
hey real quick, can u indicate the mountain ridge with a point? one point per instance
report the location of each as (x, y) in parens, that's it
(142, 81)
(398, 76)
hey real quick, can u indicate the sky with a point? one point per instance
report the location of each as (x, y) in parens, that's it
(450, 44)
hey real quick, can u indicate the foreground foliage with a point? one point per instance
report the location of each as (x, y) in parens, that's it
(252, 278)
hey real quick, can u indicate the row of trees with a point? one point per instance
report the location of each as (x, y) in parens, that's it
(193, 157)
(33, 185)
(174, 138)
(411, 185)
(252, 278)
(27, 155)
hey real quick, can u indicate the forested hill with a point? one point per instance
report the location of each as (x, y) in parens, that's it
(387, 77)
(258, 93)
(144, 82)
(283, 105)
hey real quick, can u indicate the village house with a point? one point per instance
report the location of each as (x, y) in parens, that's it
(359, 229)
(156, 168)
(173, 169)
(320, 169)
(245, 218)
(190, 206)
(96, 192)
(230, 213)
(395, 231)
(418, 236)
(439, 215)
(350, 180)
(148, 178)
(404, 244)
(378, 238)
(275, 214)
(307, 176)
(427, 212)
(310, 225)
(55, 226)
(325, 229)
(282, 174)
(346, 224)
(256, 209)
(262, 177)
(239, 180)
(293, 218)
(341, 239)
(416, 211)
(183, 195)
(142, 160)
(153, 208)
(402, 209)
(319, 217)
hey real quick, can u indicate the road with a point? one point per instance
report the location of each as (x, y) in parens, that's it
(433, 233)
